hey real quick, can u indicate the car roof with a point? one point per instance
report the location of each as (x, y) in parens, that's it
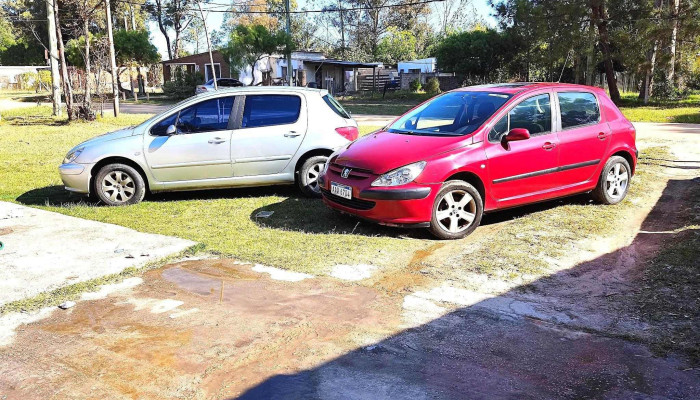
(519, 87)
(264, 89)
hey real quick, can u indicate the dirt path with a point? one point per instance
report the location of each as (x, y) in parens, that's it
(223, 329)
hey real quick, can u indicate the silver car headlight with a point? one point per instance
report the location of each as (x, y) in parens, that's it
(72, 155)
(400, 176)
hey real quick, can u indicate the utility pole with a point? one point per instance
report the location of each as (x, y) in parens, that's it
(112, 59)
(211, 56)
(53, 57)
(289, 52)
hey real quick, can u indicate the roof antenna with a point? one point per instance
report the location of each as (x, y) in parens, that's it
(564, 66)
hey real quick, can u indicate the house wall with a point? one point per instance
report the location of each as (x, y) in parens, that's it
(423, 65)
(199, 61)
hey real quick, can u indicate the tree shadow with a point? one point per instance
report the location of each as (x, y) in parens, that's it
(32, 120)
(587, 334)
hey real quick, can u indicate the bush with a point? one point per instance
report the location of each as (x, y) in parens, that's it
(183, 84)
(432, 87)
(415, 85)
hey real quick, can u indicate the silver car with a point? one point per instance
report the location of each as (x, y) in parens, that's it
(237, 137)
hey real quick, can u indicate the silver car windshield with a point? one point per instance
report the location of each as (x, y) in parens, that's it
(450, 114)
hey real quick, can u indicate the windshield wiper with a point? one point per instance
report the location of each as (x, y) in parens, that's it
(403, 132)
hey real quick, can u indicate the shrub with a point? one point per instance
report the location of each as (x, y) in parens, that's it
(415, 85)
(432, 87)
(183, 84)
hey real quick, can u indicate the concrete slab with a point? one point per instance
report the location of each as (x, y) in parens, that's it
(44, 251)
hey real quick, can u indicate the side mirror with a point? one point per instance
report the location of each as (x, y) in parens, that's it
(517, 134)
(171, 130)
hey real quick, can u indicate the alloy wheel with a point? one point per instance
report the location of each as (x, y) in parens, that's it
(118, 186)
(312, 176)
(456, 211)
(617, 181)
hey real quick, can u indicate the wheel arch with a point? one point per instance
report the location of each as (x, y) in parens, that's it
(627, 156)
(120, 160)
(472, 179)
(307, 155)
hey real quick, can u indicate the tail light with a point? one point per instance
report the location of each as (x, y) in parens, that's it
(348, 132)
(203, 88)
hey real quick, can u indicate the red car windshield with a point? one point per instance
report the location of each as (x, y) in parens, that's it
(453, 113)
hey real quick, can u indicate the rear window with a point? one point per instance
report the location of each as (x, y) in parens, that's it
(578, 108)
(335, 106)
(270, 109)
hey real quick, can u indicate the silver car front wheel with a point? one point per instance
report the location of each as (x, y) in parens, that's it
(119, 184)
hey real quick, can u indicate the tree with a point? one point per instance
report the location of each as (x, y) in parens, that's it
(175, 15)
(397, 46)
(250, 43)
(599, 15)
(453, 15)
(479, 56)
(134, 49)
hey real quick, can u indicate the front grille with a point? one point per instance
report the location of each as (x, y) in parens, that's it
(357, 204)
(355, 173)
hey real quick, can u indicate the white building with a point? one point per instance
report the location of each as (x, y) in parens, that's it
(424, 65)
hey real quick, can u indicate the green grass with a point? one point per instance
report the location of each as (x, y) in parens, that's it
(302, 234)
(394, 103)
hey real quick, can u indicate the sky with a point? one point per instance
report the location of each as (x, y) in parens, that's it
(215, 20)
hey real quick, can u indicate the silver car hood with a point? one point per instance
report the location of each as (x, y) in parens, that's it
(122, 133)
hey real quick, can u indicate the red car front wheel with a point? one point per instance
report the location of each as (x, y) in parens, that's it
(457, 210)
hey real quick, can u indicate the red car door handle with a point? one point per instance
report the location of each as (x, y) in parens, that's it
(602, 136)
(548, 146)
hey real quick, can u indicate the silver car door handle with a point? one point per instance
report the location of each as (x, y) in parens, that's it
(291, 134)
(216, 140)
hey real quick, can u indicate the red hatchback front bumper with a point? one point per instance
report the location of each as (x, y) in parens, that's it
(407, 205)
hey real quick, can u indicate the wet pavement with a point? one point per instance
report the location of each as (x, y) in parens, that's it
(217, 329)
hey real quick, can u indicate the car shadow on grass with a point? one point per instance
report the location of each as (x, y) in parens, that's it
(298, 213)
(55, 195)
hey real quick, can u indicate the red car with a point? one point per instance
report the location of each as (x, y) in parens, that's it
(480, 149)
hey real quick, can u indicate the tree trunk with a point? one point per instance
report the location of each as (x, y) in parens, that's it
(163, 30)
(68, 88)
(131, 80)
(87, 100)
(590, 55)
(599, 14)
(674, 36)
(648, 81)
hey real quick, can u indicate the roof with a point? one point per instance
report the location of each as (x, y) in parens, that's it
(263, 89)
(518, 87)
(189, 58)
(346, 63)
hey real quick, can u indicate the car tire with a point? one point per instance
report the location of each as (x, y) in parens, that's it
(614, 181)
(308, 174)
(461, 206)
(119, 185)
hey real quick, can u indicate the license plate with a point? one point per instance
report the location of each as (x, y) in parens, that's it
(343, 191)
